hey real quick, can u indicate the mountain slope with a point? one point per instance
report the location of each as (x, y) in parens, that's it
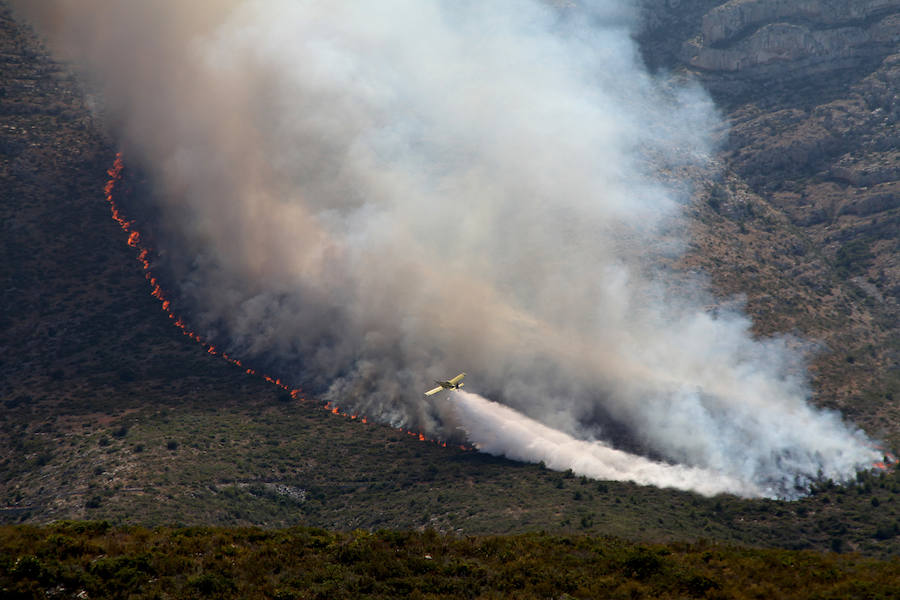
(110, 412)
(805, 220)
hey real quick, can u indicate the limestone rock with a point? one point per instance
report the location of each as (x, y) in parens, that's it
(733, 18)
(773, 39)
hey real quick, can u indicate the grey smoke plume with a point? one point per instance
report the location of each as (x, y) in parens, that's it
(371, 195)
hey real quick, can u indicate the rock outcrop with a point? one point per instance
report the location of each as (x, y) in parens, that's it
(774, 39)
(731, 19)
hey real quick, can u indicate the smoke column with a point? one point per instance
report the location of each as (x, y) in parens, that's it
(366, 196)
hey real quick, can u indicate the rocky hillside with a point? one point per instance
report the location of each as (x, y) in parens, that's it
(810, 190)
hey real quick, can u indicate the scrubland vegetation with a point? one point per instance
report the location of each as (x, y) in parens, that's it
(274, 464)
(95, 560)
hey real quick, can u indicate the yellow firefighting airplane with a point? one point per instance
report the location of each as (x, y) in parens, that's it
(452, 384)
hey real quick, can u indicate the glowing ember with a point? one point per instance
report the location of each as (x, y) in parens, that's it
(888, 463)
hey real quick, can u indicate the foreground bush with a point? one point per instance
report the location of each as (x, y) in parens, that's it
(94, 560)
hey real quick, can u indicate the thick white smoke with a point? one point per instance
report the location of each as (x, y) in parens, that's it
(372, 195)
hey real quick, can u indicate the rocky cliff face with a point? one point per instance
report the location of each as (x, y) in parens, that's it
(775, 40)
(737, 17)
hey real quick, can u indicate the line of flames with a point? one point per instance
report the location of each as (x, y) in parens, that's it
(134, 240)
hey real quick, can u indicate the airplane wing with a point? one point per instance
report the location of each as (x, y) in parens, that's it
(434, 391)
(457, 379)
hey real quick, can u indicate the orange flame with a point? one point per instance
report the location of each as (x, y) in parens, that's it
(888, 461)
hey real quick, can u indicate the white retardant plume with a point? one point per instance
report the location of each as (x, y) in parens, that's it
(366, 196)
(502, 431)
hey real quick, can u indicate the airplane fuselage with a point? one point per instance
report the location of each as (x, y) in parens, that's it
(449, 386)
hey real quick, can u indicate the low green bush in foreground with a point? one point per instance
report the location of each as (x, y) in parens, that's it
(95, 560)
